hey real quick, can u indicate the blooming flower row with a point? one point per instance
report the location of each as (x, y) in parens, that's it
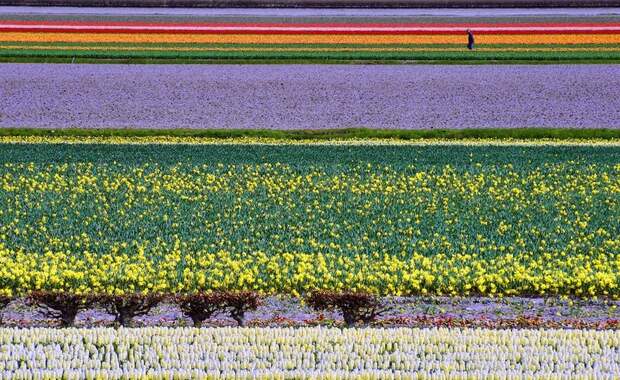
(171, 140)
(536, 39)
(321, 353)
(290, 227)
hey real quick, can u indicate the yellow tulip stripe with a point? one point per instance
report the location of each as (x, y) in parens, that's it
(426, 219)
(308, 353)
(184, 140)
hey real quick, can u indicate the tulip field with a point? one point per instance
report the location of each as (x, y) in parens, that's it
(310, 353)
(505, 252)
(340, 41)
(245, 206)
(393, 219)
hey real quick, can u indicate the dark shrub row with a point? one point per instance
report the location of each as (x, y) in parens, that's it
(200, 306)
(356, 308)
(125, 308)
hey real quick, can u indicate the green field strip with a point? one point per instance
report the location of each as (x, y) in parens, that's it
(325, 55)
(323, 134)
(298, 61)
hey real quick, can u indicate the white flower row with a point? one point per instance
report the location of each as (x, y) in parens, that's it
(312, 353)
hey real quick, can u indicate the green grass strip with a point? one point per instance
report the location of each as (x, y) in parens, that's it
(324, 134)
(321, 55)
(298, 61)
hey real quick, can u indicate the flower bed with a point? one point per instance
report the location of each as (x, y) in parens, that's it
(295, 41)
(309, 352)
(391, 220)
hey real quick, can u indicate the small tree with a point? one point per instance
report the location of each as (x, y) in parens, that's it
(4, 300)
(355, 307)
(199, 306)
(238, 303)
(128, 306)
(59, 305)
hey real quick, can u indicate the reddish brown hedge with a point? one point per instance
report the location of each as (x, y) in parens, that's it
(200, 306)
(128, 306)
(59, 305)
(238, 303)
(355, 307)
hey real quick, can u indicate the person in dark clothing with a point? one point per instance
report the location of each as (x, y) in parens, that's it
(470, 39)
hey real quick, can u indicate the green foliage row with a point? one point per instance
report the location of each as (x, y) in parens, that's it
(478, 56)
(290, 219)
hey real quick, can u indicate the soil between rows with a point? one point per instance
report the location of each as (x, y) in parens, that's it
(403, 311)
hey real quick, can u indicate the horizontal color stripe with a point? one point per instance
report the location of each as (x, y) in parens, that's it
(207, 49)
(306, 29)
(311, 39)
(106, 45)
(262, 24)
(480, 56)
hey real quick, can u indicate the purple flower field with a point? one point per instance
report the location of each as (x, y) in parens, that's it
(309, 96)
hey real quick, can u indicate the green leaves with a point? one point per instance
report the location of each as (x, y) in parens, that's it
(286, 219)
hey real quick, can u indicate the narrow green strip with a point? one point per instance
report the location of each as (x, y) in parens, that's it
(321, 134)
(321, 55)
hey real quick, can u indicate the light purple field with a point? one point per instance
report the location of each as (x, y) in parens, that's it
(309, 96)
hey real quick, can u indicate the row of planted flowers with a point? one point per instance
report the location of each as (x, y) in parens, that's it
(478, 227)
(298, 41)
(307, 353)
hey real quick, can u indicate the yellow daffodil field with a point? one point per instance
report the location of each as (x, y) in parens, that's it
(278, 218)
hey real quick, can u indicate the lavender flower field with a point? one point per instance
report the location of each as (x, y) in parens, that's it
(309, 96)
(294, 193)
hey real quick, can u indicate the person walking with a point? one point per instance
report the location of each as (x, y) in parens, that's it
(470, 39)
